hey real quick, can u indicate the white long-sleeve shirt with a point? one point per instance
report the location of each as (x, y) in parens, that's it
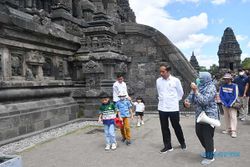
(170, 92)
(118, 88)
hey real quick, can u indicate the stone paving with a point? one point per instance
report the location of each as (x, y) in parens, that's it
(85, 148)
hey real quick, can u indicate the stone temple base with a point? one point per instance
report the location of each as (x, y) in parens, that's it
(25, 117)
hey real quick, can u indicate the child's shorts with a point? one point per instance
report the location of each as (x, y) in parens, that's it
(139, 113)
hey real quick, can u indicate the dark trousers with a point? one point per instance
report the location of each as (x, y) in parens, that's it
(175, 121)
(205, 134)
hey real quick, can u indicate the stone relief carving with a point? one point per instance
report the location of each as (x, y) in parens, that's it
(16, 65)
(60, 70)
(90, 83)
(81, 6)
(29, 74)
(106, 42)
(1, 72)
(96, 43)
(73, 29)
(42, 17)
(35, 57)
(121, 68)
(92, 67)
(47, 67)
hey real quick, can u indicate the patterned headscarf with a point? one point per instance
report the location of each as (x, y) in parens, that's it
(205, 80)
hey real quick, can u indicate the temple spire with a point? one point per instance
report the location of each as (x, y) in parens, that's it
(194, 62)
(229, 51)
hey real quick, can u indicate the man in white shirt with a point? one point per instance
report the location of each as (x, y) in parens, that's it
(118, 87)
(170, 92)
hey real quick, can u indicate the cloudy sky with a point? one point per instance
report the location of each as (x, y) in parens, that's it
(197, 25)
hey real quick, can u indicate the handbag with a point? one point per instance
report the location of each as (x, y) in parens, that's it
(118, 123)
(237, 105)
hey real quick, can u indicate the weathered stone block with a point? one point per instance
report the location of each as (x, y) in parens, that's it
(1, 136)
(22, 130)
(46, 123)
(25, 119)
(30, 128)
(5, 124)
(36, 116)
(10, 133)
(39, 125)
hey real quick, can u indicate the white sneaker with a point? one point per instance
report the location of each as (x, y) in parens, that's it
(243, 119)
(225, 132)
(138, 124)
(207, 161)
(113, 146)
(234, 135)
(107, 147)
(142, 122)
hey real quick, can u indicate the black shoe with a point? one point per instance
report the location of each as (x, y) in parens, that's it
(165, 149)
(183, 146)
(123, 140)
(128, 142)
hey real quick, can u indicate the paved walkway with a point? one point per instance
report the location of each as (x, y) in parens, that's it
(80, 149)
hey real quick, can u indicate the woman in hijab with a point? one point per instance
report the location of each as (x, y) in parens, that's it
(203, 97)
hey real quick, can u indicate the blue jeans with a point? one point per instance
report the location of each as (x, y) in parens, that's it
(109, 131)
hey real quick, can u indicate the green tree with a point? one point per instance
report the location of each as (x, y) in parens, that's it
(246, 63)
(214, 69)
(203, 68)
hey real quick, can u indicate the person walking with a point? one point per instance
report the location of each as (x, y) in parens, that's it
(228, 96)
(118, 87)
(241, 80)
(170, 92)
(124, 108)
(139, 110)
(203, 96)
(107, 114)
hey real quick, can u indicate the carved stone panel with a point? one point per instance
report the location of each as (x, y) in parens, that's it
(92, 67)
(33, 70)
(121, 68)
(35, 57)
(16, 64)
(91, 83)
(61, 70)
(29, 76)
(1, 73)
(73, 29)
(47, 67)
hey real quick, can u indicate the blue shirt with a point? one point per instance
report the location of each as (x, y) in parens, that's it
(228, 94)
(248, 81)
(123, 107)
(241, 81)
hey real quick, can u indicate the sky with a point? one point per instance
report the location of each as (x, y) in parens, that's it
(197, 25)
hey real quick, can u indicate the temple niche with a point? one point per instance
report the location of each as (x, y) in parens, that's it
(229, 51)
(58, 56)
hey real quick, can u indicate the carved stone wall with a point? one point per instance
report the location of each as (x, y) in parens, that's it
(58, 56)
(148, 48)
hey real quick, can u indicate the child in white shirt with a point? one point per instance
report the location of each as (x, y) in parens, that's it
(139, 110)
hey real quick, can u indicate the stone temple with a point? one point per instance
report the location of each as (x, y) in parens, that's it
(229, 52)
(57, 56)
(194, 62)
